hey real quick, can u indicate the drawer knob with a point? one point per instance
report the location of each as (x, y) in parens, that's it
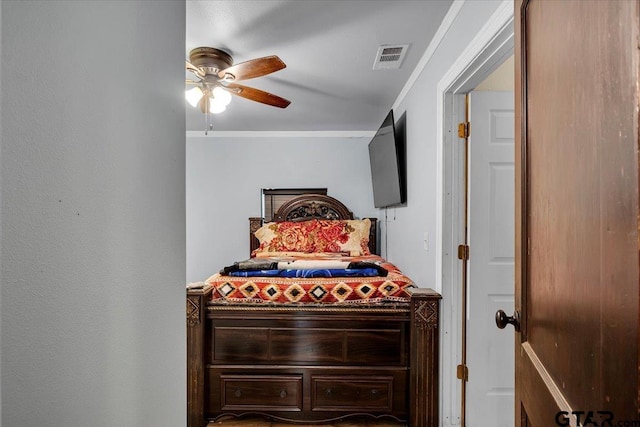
(328, 392)
(283, 393)
(238, 393)
(374, 392)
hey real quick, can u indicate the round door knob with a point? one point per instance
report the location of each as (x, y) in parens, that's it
(502, 320)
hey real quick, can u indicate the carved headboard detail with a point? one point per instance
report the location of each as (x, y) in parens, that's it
(312, 206)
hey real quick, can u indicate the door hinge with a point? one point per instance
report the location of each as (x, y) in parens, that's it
(463, 252)
(464, 130)
(463, 373)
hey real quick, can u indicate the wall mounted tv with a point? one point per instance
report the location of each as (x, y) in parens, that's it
(388, 164)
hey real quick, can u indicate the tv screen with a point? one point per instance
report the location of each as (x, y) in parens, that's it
(386, 156)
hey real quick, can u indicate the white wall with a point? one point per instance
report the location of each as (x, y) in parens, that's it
(93, 224)
(406, 232)
(225, 177)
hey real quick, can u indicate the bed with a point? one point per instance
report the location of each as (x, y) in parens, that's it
(312, 327)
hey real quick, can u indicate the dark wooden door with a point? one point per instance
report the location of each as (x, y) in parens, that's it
(577, 259)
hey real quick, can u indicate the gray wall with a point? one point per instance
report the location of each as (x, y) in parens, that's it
(225, 177)
(93, 224)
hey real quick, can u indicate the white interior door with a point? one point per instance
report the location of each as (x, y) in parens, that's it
(490, 359)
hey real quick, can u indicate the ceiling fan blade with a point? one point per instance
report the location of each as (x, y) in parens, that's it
(257, 95)
(192, 82)
(252, 68)
(195, 70)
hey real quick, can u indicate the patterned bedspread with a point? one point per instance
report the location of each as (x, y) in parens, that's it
(370, 290)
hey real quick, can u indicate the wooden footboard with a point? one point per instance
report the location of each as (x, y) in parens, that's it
(313, 364)
(425, 358)
(197, 341)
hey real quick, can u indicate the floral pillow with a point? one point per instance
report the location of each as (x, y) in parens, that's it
(351, 236)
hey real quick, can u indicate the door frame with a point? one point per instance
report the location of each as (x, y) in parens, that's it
(490, 47)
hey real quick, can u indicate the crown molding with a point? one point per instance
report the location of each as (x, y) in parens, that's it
(282, 134)
(447, 21)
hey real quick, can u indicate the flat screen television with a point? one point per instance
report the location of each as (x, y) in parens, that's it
(387, 159)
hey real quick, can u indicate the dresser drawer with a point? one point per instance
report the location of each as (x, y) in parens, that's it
(340, 393)
(265, 392)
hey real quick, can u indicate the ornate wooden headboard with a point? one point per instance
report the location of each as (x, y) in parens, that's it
(312, 206)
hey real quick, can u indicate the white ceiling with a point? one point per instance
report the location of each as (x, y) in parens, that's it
(329, 47)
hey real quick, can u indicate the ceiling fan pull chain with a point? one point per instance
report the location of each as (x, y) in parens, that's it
(207, 125)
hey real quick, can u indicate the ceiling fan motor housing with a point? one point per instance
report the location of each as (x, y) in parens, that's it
(210, 59)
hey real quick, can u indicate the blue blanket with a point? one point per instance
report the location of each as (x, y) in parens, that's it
(273, 267)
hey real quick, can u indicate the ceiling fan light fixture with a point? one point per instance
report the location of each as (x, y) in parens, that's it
(221, 96)
(216, 107)
(193, 96)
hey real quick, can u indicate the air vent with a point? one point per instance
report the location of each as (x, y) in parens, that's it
(390, 57)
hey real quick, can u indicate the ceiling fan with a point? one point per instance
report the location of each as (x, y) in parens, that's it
(217, 76)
